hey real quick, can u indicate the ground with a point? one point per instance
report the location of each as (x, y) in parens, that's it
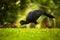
(29, 34)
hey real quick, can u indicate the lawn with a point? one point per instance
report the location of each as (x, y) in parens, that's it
(29, 34)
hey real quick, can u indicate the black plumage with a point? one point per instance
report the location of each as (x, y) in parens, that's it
(33, 16)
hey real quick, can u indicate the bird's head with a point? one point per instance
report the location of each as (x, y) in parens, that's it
(22, 22)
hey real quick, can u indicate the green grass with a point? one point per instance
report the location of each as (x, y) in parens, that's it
(29, 34)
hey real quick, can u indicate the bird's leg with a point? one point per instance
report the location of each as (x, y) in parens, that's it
(28, 25)
(31, 25)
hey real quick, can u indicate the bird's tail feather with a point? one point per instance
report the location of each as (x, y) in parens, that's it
(49, 15)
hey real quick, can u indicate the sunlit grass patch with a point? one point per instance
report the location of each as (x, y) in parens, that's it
(29, 34)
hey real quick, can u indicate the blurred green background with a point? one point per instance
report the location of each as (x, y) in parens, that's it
(13, 11)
